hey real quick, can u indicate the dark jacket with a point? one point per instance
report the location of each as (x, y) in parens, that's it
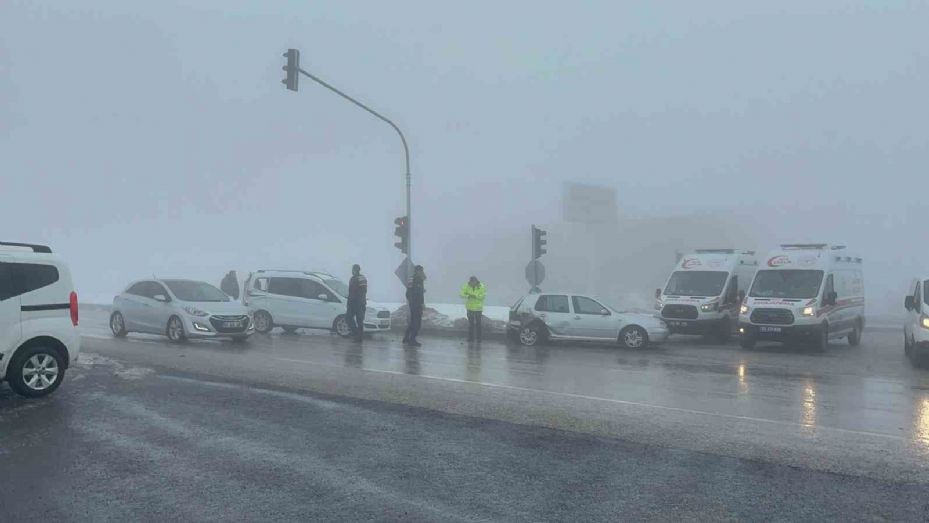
(230, 285)
(416, 293)
(357, 291)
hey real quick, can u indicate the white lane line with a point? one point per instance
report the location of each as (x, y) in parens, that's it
(615, 401)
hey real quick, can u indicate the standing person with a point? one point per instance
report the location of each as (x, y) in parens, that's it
(474, 293)
(230, 285)
(357, 303)
(416, 300)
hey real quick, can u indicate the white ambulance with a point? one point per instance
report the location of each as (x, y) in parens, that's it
(812, 292)
(703, 293)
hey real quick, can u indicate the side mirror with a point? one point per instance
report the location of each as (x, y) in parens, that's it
(657, 293)
(908, 303)
(604, 312)
(160, 297)
(833, 297)
(323, 296)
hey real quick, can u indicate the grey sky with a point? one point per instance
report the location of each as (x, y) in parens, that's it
(155, 137)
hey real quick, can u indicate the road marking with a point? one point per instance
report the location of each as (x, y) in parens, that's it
(616, 401)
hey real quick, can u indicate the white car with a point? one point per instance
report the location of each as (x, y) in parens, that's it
(179, 309)
(916, 326)
(305, 299)
(564, 316)
(39, 338)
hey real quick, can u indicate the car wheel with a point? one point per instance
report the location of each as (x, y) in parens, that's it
(175, 330)
(36, 371)
(263, 322)
(118, 325)
(822, 341)
(854, 339)
(633, 337)
(531, 335)
(290, 330)
(341, 327)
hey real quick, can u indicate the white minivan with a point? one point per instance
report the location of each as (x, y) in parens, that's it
(805, 291)
(916, 326)
(39, 338)
(304, 299)
(703, 293)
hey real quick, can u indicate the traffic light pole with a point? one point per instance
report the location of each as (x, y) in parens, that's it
(406, 150)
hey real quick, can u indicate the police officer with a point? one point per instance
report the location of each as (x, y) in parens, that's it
(357, 302)
(416, 300)
(474, 293)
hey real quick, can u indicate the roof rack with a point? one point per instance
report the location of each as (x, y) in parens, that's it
(34, 247)
(820, 246)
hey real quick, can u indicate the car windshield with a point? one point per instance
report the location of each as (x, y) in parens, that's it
(338, 286)
(186, 290)
(786, 284)
(696, 283)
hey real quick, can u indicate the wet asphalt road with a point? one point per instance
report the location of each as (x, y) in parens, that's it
(314, 427)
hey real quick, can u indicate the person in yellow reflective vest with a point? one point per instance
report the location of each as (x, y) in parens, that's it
(474, 293)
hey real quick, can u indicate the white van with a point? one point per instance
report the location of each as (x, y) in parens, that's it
(39, 338)
(805, 291)
(703, 293)
(305, 299)
(916, 326)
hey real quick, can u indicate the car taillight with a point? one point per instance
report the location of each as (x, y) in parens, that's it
(73, 307)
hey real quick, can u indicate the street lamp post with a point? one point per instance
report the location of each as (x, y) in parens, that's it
(293, 66)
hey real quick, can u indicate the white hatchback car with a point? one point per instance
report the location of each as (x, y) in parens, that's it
(305, 299)
(179, 309)
(565, 316)
(39, 338)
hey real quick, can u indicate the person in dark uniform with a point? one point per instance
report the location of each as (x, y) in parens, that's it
(357, 302)
(230, 285)
(416, 300)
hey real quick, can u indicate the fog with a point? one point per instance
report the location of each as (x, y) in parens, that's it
(156, 138)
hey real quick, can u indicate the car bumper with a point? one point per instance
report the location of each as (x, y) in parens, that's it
(377, 325)
(779, 332)
(678, 326)
(658, 334)
(201, 328)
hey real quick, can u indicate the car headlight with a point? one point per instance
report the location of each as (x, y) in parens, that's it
(744, 309)
(708, 307)
(193, 311)
(808, 311)
(924, 321)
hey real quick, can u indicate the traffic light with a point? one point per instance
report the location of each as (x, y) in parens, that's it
(538, 243)
(292, 68)
(403, 233)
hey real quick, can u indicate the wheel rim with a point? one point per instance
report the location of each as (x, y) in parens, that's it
(528, 336)
(633, 338)
(262, 322)
(175, 330)
(341, 327)
(117, 324)
(40, 372)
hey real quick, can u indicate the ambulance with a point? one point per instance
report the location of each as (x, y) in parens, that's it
(812, 292)
(703, 293)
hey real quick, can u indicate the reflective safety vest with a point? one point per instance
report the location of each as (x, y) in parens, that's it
(474, 296)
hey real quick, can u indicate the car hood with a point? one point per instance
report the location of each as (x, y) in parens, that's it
(377, 306)
(231, 308)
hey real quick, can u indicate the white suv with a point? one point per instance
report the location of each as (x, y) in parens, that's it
(305, 299)
(39, 338)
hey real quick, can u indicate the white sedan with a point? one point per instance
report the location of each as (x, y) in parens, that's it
(564, 316)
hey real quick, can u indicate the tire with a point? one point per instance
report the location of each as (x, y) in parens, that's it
(854, 338)
(36, 371)
(724, 331)
(747, 340)
(263, 322)
(633, 337)
(118, 325)
(340, 326)
(290, 330)
(175, 330)
(822, 342)
(532, 335)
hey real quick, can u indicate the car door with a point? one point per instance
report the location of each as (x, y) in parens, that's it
(591, 319)
(317, 304)
(146, 315)
(10, 310)
(287, 305)
(161, 306)
(129, 305)
(554, 310)
(914, 312)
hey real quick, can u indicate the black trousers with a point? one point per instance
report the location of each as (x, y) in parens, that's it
(355, 316)
(474, 324)
(416, 323)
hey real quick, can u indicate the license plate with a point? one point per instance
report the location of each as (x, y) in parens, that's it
(232, 324)
(678, 323)
(769, 329)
